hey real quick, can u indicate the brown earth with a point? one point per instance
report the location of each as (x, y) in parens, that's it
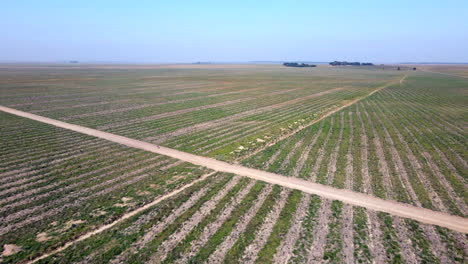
(10, 249)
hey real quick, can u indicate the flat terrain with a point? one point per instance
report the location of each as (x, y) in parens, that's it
(394, 135)
(453, 70)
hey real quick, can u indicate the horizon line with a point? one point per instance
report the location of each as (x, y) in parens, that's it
(74, 62)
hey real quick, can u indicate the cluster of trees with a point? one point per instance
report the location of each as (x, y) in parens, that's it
(399, 68)
(295, 64)
(344, 63)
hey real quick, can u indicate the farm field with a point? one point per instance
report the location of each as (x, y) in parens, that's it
(56, 184)
(211, 111)
(451, 70)
(396, 135)
(237, 220)
(406, 143)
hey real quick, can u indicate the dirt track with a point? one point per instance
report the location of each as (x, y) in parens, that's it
(359, 199)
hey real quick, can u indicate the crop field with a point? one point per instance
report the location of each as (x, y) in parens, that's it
(68, 197)
(210, 112)
(56, 184)
(450, 70)
(405, 143)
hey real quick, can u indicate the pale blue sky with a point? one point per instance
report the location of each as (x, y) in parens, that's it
(187, 31)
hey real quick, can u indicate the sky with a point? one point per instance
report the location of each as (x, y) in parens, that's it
(178, 31)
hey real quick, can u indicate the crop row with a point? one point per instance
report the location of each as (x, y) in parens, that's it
(156, 106)
(404, 143)
(238, 220)
(233, 139)
(106, 91)
(394, 155)
(69, 187)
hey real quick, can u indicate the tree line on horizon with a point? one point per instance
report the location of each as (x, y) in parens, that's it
(345, 63)
(295, 64)
(333, 63)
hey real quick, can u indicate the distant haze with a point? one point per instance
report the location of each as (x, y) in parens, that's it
(234, 31)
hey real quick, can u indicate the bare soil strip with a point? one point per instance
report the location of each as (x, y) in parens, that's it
(286, 248)
(366, 188)
(317, 249)
(321, 153)
(220, 253)
(401, 230)
(347, 220)
(405, 242)
(423, 215)
(262, 234)
(291, 153)
(305, 154)
(212, 228)
(273, 157)
(376, 246)
(347, 234)
(334, 158)
(320, 233)
(188, 225)
(373, 225)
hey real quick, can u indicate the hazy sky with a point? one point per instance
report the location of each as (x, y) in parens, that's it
(187, 31)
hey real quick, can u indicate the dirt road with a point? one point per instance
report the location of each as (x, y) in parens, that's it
(359, 199)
